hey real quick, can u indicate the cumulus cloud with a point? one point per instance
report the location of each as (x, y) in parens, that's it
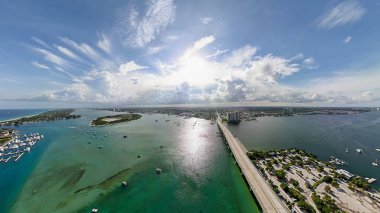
(40, 65)
(130, 66)
(144, 26)
(344, 13)
(242, 74)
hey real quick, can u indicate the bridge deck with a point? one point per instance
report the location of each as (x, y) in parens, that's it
(264, 194)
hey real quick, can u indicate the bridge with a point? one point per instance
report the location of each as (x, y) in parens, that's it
(263, 192)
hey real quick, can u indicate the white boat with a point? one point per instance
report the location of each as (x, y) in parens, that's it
(347, 150)
(359, 151)
(375, 163)
(158, 171)
(377, 150)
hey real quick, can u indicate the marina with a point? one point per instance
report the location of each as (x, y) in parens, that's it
(17, 146)
(337, 161)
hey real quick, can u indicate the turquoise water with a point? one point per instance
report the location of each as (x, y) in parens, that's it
(6, 114)
(322, 135)
(67, 172)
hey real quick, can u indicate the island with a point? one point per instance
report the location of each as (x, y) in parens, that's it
(113, 119)
(6, 135)
(59, 114)
(307, 184)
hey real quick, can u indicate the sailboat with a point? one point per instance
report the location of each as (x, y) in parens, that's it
(347, 150)
(375, 163)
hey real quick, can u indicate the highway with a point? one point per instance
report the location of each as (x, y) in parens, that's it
(263, 192)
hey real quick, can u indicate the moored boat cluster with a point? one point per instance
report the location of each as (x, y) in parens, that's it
(17, 146)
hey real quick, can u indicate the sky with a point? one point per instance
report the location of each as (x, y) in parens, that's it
(189, 53)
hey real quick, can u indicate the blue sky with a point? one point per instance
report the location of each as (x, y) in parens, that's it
(164, 52)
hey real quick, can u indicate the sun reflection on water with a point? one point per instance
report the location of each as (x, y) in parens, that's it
(196, 146)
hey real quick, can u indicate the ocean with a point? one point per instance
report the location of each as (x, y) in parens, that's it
(67, 172)
(6, 114)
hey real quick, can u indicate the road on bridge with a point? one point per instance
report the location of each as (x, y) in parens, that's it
(263, 192)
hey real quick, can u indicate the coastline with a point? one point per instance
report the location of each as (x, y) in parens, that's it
(20, 117)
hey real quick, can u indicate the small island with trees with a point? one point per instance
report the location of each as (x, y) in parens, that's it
(113, 119)
(53, 115)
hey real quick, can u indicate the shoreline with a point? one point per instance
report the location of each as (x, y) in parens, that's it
(27, 116)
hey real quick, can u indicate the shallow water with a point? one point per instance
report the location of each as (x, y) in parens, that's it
(67, 172)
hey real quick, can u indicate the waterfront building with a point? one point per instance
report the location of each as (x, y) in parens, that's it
(347, 174)
(233, 117)
(288, 111)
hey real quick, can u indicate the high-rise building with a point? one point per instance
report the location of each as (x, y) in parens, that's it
(233, 117)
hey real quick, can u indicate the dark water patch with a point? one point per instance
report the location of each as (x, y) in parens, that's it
(74, 178)
(113, 180)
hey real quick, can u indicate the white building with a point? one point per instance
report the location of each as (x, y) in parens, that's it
(347, 174)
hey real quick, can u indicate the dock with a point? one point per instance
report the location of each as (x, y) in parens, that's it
(266, 197)
(19, 156)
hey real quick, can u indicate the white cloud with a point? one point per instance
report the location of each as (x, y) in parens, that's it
(310, 63)
(241, 56)
(198, 45)
(67, 52)
(40, 65)
(40, 42)
(241, 75)
(346, 12)
(83, 48)
(205, 20)
(130, 66)
(144, 27)
(104, 43)
(347, 39)
(217, 53)
(51, 57)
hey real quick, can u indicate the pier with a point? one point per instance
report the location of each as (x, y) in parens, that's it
(267, 198)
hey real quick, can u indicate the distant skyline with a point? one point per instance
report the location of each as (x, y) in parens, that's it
(165, 52)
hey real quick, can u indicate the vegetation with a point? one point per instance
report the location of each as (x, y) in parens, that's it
(320, 168)
(53, 115)
(327, 179)
(257, 155)
(115, 119)
(280, 174)
(360, 183)
(306, 207)
(325, 205)
(5, 139)
(327, 189)
(294, 182)
(335, 184)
